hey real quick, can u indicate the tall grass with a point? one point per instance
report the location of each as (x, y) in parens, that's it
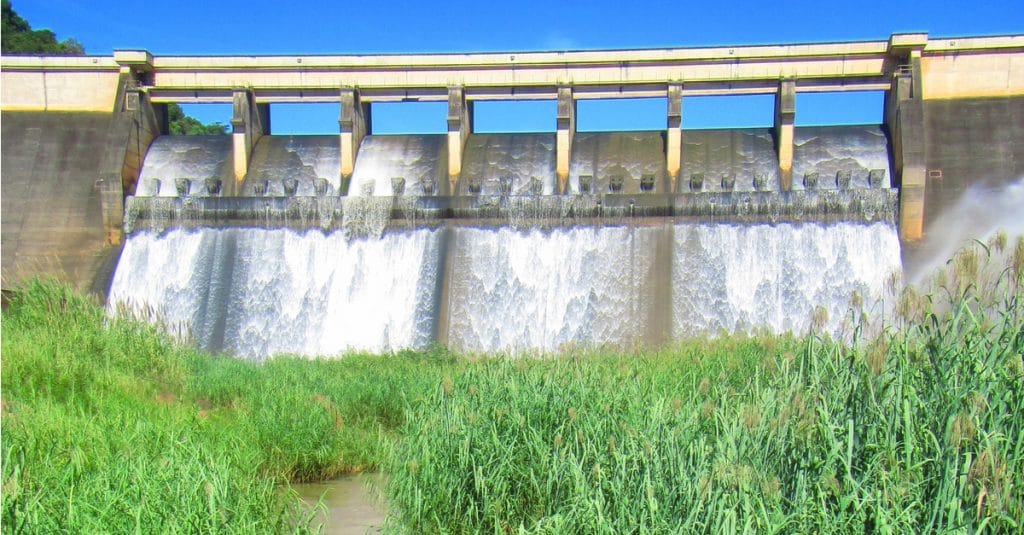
(917, 430)
(109, 426)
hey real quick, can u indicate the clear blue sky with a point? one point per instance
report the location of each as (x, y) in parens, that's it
(275, 26)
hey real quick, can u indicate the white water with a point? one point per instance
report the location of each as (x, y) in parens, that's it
(193, 157)
(980, 212)
(736, 277)
(517, 291)
(828, 149)
(256, 293)
(414, 157)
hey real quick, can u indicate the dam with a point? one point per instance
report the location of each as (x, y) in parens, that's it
(257, 244)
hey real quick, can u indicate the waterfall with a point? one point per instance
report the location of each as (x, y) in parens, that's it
(504, 266)
(255, 293)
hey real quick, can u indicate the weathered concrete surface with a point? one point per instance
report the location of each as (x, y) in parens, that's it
(975, 142)
(954, 70)
(978, 141)
(52, 220)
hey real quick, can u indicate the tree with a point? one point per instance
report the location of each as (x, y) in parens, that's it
(19, 38)
(181, 124)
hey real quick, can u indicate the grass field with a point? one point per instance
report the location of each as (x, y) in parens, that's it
(110, 426)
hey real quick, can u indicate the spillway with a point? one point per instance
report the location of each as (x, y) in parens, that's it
(502, 264)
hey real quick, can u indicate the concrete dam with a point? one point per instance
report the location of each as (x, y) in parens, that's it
(256, 243)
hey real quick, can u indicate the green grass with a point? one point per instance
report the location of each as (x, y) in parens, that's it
(916, 430)
(109, 426)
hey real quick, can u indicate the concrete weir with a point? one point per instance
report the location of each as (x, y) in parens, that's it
(83, 134)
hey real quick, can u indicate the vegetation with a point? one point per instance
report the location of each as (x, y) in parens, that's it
(18, 37)
(109, 426)
(918, 430)
(180, 124)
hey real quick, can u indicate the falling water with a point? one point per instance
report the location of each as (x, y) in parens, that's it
(523, 290)
(625, 155)
(304, 159)
(516, 273)
(256, 293)
(414, 158)
(195, 158)
(737, 277)
(524, 160)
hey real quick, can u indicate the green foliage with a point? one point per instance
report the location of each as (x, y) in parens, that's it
(18, 37)
(110, 426)
(181, 124)
(918, 430)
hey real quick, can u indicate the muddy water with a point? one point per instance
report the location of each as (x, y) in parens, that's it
(351, 505)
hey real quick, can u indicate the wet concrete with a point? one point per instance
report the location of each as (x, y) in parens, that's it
(351, 505)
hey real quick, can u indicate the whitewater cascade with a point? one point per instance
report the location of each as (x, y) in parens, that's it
(527, 272)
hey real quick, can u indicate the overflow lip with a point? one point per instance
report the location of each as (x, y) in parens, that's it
(329, 212)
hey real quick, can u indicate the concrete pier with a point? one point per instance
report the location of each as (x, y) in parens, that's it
(904, 119)
(674, 135)
(460, 126)
(249, 121)
(353, 124)
(785, 115)
(566, 129)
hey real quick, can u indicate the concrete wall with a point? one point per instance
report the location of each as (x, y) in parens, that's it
(51, 202)
(58, 84)
(971, 142)
(967, 143)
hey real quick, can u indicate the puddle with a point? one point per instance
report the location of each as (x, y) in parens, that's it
(354, 504)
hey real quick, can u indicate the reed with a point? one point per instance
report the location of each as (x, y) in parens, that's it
(111, 425)
(916, 430)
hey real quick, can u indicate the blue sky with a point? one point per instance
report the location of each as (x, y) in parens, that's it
(271, 27)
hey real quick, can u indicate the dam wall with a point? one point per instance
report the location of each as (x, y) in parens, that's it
(82, 134)
(51, 192)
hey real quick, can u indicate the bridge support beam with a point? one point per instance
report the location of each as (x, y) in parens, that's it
(460, 126)
(904, 119)
(353, 124)
(249, 121)
(566, 130)
(785, 114)
(674, 135)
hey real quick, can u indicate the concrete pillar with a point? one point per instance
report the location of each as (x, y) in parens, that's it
(136, 123)
(353, 124)
(904, 119)
(460, 125)
(674, 134)
(566, 124)
(904, 116)
(785, 113)
(249, 122)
